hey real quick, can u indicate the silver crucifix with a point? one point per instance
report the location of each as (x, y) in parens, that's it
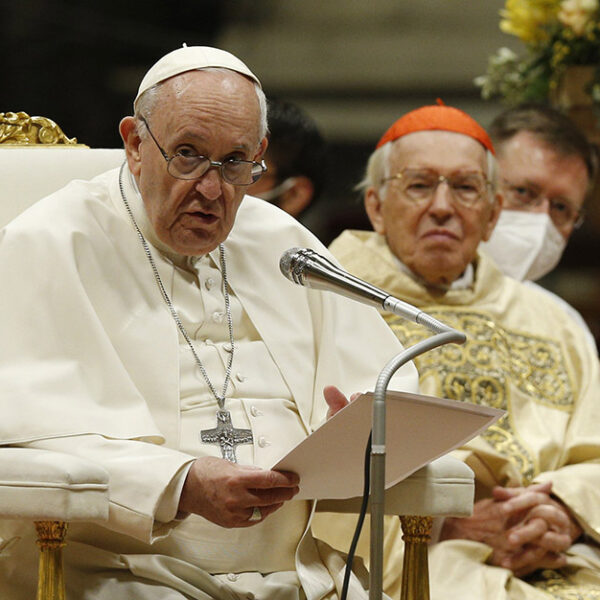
(226, 435)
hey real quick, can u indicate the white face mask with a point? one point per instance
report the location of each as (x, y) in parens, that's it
(274, 194)
(525, 245)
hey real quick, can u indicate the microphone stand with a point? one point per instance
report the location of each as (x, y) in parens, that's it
(445, 335)
(305, 267)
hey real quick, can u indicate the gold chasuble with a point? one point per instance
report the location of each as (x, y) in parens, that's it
(523, 354)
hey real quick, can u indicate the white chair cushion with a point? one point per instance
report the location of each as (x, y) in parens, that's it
(443, 488)
(32, 172)
(46, 485)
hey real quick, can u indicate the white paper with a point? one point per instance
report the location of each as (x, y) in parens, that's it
(419, 429)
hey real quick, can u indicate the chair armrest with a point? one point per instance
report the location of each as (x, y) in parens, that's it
(46, 485)
(444, 487)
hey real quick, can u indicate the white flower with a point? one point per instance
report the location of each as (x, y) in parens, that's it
(506, 55)
(576, 14)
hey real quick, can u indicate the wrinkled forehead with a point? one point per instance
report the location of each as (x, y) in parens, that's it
(200, 85)
(219, 95)
(444, 151)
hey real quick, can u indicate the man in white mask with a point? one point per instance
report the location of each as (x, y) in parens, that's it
(546, 171)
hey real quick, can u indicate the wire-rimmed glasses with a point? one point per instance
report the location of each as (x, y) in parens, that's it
(420, 185)
(187, 165)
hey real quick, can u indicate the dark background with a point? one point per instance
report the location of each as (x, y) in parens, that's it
(80, 64)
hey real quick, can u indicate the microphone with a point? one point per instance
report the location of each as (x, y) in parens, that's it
(305, 267)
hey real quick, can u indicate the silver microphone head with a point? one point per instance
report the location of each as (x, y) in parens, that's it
(292, 263)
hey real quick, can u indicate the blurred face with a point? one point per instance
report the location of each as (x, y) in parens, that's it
(529, 168)
(438, 237)
(209, 113)
(292, 194)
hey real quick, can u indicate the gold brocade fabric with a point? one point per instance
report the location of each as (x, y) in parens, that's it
(524, 355)
(483, 369)
(561, 585)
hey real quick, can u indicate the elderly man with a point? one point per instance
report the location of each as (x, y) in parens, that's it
(546, 171)
(429, 194)
(146, 325)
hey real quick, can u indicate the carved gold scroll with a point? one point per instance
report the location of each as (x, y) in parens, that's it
(18, 128)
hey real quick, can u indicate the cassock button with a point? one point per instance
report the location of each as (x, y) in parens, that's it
(240, 377)
(255, 412)
(262, 441)
(227, 347)
(217, 317)
(233, 576)
(209, 283)
(208, 342)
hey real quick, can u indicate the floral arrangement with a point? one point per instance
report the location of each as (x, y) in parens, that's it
(557, 34)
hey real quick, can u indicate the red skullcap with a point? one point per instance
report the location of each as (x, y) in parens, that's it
(437, 117)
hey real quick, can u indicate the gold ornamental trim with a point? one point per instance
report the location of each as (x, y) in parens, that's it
(51, 534)
(51, 539)
(416, 529)
(415, 568)
(19, 129)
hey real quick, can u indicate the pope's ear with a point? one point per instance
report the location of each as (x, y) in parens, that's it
(373, 206)
(128, 128)
(261, 149)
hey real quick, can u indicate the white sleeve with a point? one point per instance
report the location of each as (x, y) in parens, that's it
(145, 480)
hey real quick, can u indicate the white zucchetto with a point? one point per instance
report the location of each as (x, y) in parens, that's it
(190, 58)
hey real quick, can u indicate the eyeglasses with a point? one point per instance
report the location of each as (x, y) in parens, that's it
(187, 165)
(562, 212)
(420, 185)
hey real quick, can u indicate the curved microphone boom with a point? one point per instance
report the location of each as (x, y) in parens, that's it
(308, 268)
(305, 267)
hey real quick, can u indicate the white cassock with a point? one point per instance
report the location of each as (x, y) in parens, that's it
(92, 363)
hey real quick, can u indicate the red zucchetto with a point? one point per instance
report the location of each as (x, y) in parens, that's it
(437, 117)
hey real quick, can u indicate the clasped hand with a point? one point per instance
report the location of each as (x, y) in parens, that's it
(526, 528)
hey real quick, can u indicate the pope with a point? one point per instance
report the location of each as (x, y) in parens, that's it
(145, 325)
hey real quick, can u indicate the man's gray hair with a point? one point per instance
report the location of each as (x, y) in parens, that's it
(147, 102)
(378, 169)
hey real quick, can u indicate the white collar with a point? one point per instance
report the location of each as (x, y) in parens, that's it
(464, 282)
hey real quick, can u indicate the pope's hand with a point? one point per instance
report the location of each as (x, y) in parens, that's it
(227, 493)
(336, 400)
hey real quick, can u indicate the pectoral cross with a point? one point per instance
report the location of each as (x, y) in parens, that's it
(226, 435)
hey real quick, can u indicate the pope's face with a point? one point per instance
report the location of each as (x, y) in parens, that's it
(438, 237)
(527, 166)
(209, 113)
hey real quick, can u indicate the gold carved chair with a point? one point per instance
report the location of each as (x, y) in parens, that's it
(443, 488)
(38, 159)
(51, 489)
(48, 488)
